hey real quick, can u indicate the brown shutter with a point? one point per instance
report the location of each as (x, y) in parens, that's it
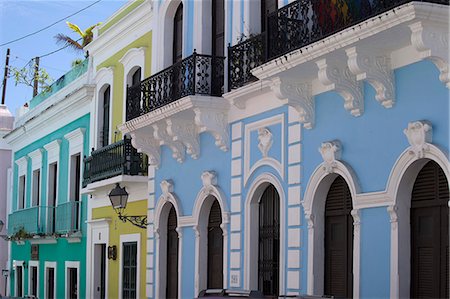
(172, 255)
(215, 248)
(339, 240)
(429, 233)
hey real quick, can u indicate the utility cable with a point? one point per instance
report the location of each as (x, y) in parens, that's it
(46, 27)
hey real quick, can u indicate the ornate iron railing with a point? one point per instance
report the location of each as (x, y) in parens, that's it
(196, 74)
(68, 217)
(119, 158)
(299, 24)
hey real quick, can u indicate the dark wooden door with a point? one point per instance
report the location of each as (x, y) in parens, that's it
(338, 240)
(267, 7)
(73, 283)
(19, 274)
(34, 281)
(178, 34)
(215, 248)
(106, 107)
(269, 242)
(429, 234)
(172, 255)
(218, 27)
(129, 270)
(50, 283)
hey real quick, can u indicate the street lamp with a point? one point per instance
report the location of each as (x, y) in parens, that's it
(119, 198)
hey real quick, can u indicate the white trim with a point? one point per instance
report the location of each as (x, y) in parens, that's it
(22, 165)
(161, 213)
(277, 165)
(202, 207)
(46, 266)
(103, 79)
(67, 265)
(16, 287)
(133, 58)
(53, 150)
(314, 207)
(131, 238)
(251, 234)
(399, 188)
(36, 159)
(33, 264)
(76, 142)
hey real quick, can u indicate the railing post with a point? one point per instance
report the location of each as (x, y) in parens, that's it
(194, 70)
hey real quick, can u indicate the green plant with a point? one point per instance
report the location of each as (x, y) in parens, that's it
(26, 77)
(77, 62)
(21, 234)
(86, 37)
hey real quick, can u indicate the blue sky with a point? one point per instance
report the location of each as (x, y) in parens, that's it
(19, 18)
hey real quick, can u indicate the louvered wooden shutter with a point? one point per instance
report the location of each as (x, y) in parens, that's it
(429, 234)
(338, 240)
(172, 255)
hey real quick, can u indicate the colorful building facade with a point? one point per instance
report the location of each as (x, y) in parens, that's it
(47, 213)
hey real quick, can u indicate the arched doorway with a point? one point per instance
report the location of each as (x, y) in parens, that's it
(269, 242)
(429, 234)
(215, 248)
(172, 255)
(338, 272)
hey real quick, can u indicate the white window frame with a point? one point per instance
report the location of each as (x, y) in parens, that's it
(48, 265)
(131, 60)
(53, 150)
(103, 79)
(254, 194)
(131, 238)
(16, 286)
(22, 165)
(36, 164)
(76, 142)
(67, 265)
(33, 264)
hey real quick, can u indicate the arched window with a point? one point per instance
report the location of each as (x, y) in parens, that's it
(429, 234)
(218, 27)
(269, 242)
(338, 240)
(172, 255)
(136, 77)
(105, 119)
(215, 248)
(178, 34)
(267, 7)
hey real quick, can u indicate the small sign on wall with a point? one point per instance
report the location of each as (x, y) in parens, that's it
(235, 279)
(35, 252)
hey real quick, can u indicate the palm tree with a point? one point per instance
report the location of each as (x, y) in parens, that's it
(85, 37)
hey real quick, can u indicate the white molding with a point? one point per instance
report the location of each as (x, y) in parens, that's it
(67, 265)
(200, 214)
(165, 201)
(376, 69)
(16, 264)
(22, 165)
(46, 266)
(314, 207)
(33, 264)
(254, 194)
(276, 165)
(103, 78)
(131, 238)
(36, 159)
(53, 149)
(131, 60)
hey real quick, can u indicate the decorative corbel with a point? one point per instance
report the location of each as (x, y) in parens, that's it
(147, 145)
(331, 153)
(419, 134)
(393, 216)
(432, 43)
(309, 220)
(160, 134)
(214, 121)
(356, 221)
(375, 69)
(298, 95)
(339, 78)
(184, 131)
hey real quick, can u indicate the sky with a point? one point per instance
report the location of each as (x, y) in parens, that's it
(19, 18)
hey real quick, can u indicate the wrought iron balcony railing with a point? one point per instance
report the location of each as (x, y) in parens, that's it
(196, 74)
(68, 217)
(119, 158)
(34, 220)
(299, 24)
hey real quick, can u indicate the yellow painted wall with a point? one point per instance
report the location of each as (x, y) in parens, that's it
(117, 228)
(118, 92)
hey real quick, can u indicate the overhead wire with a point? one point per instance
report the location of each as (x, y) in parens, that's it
(48, 26)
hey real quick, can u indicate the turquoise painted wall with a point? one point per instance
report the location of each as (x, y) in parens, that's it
(61, 251)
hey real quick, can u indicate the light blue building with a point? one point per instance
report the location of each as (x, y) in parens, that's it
(309, 157)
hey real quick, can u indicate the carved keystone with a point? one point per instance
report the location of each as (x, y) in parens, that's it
(419, 134)
(331, 152)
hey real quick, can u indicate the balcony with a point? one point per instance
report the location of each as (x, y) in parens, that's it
(196, 74)
(119, 158)
(34, 220)
(297, 25)
(67, 217)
